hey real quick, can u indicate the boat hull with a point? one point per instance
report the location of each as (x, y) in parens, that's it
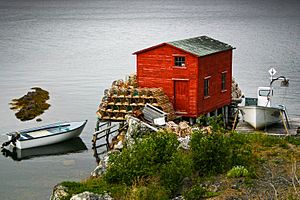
(49, 139)
(260, 117)
(74, 145)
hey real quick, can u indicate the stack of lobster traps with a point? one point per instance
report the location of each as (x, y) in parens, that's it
(124, 97)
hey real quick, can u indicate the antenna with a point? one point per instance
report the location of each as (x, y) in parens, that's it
(272, 72)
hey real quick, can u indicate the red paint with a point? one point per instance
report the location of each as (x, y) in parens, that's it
(185, 85)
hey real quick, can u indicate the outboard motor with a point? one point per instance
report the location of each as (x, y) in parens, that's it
(14, 137)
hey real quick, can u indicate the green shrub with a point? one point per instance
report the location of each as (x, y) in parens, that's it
(216, 122)
(240, 150)
(202, 121)
(218, 152)
(210, 153)
(196, 192)
(238, 171)
(152, 191)
(142, 159)
(173, 172)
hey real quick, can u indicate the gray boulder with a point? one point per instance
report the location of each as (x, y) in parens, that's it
(59, 192)
(91, 196)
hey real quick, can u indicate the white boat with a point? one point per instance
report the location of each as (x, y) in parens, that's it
(259, 112)
(260, 117)
(45, 135)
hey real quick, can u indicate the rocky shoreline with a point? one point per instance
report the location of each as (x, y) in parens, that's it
(60, 192)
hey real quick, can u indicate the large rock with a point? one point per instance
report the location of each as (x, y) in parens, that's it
(136, 128)
(91, 196)
(59, 192)
(103, 164)
(98, 171)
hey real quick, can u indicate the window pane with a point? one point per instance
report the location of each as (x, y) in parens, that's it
(264, 93)
(206, 87)
(223, 81)
(179, 61)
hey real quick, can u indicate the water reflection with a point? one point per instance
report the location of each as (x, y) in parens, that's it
(31, 105)
(75, 145)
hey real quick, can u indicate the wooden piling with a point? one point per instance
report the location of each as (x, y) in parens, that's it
(284, 123)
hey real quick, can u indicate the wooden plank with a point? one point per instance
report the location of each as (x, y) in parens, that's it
(100, 145)
(102, 130)
(95, 138)
(103, 124)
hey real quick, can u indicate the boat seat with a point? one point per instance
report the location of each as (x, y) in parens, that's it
(36, 134)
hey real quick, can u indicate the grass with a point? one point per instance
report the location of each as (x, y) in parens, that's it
(95, 185)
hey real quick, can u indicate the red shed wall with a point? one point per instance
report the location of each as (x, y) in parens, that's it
(155, 68)
(213, 66)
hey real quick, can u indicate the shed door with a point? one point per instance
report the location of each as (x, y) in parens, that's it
(181, 96)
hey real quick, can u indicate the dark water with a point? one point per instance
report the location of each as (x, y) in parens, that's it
(74, 49)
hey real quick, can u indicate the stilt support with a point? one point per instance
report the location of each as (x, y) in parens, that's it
(284, 122)
(235, 120)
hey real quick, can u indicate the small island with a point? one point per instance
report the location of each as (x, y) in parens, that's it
(31, 105)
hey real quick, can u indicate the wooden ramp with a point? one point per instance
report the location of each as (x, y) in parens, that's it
(102, 136)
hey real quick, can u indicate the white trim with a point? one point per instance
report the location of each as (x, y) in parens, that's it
(179, 55)
(181, 112)
(180, 79)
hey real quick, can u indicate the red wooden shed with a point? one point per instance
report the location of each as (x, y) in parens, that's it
(195, 73)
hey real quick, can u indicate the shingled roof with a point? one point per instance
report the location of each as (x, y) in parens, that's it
(201, 46)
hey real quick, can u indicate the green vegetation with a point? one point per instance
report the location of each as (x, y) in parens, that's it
(238, 171)
(143, 159)
(219, 163)
(195, 192)
(210, 153)
(153, 156)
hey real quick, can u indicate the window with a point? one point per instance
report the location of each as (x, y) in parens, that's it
(206, 87)
(223, 81)
(265, 93)
(179, 61)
